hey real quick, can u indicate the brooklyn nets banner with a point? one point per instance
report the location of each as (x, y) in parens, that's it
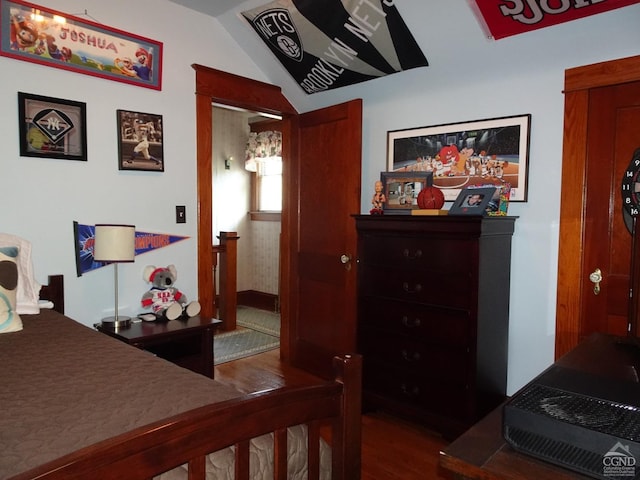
(326, 44)
(504, 18)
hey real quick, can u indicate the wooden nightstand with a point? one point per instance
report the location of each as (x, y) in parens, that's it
(186, 342)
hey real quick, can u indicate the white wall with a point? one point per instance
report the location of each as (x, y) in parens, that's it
(232, 188)
(41, 198)
(471, 77)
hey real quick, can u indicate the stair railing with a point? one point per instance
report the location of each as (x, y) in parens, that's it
(225, 255)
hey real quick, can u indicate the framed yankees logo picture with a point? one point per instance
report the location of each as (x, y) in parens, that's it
(52, 127)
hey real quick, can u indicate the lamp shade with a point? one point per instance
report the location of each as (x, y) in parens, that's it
(114, 243)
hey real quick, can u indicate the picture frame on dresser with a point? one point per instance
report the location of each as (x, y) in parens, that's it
(498, 206)
(401, 190)
(473, 201)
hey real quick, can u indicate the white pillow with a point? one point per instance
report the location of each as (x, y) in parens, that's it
(28, 289)
(9, 319)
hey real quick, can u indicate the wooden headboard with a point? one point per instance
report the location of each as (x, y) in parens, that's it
(54, 292)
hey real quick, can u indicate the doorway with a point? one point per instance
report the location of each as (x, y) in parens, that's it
(258, 253)
(214, 86)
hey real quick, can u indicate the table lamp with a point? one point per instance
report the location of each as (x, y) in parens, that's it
(115, 244)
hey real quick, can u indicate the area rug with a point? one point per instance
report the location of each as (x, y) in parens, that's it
(261, 320)
(240, 344)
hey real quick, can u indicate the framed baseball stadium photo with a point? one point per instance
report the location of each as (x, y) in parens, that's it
(140, 141)
(52, 127)
(493, 151)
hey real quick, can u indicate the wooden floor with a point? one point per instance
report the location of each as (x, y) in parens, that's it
(391, 448)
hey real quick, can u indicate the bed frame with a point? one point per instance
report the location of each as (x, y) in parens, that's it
(330, 409)
(54, 292)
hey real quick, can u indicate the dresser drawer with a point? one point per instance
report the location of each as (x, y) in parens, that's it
(445, 326)
(450, 289)
(433, 253)
(433, 396)
(412, 355)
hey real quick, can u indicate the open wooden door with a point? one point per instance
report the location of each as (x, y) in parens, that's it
(321, 190)
(325, 193)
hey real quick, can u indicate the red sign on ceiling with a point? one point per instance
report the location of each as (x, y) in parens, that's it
(504, 18)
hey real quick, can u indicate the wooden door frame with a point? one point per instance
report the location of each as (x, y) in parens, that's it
(578, 83)
(215, 86)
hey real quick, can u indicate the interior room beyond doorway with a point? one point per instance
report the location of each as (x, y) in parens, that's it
(258, 245)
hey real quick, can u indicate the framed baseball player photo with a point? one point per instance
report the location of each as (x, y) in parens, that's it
(140, 141)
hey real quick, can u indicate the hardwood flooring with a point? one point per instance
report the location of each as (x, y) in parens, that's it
(391, 448)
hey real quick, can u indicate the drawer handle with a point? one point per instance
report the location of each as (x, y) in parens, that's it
(416, 289)
(410, 357)
(407, 254)
(416, 322)
(410, 391)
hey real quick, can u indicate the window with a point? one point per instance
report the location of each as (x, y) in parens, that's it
(264, 158)
(269, 186)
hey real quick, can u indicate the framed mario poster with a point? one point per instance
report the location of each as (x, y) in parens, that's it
(37, 34)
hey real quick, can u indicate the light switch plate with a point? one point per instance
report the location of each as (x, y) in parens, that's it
(181, 214)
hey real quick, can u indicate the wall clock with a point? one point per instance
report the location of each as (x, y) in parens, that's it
(631, 191)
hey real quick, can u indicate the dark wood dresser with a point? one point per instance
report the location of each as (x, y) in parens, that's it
(433, 316)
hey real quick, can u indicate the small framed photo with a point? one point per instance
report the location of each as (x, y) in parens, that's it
(401, 190)
(140, 141)
(499, 203)
(52, 127)
(472, 201)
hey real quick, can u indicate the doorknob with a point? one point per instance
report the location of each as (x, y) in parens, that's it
(345, 259)
(596, 278)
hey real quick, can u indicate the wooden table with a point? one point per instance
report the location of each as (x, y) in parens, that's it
(186, 342)
(482, 453)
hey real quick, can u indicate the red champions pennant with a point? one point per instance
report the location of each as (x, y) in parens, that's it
(504, 18)
(84, 241)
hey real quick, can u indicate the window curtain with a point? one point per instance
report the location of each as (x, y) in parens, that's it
(264, 153)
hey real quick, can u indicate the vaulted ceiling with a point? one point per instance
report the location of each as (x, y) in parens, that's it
(213, 8)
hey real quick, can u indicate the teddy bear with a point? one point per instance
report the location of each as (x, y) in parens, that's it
(163, 298)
